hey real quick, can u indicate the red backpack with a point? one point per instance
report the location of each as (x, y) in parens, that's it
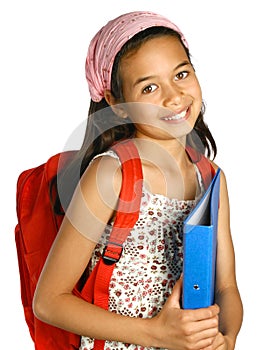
(38, 225)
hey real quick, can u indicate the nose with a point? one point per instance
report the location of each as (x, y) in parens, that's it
(173, 95)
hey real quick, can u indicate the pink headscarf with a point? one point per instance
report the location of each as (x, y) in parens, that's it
(109, 40)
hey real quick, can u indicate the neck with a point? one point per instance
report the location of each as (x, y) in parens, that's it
(164, 153)
(167, 168)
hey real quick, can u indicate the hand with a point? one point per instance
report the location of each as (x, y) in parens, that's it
(175, 328)
(221, 342)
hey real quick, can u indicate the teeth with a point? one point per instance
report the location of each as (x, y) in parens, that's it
(177, 116)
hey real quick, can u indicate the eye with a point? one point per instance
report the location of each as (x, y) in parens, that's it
(181, 75)
(149, 88)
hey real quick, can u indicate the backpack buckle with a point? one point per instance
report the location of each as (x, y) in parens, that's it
(112, 253)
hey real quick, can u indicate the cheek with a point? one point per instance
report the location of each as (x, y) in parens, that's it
(129, 94)
(196, 92)
(140, 112)
(198, 89)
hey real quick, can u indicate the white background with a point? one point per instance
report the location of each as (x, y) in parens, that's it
(44, 96)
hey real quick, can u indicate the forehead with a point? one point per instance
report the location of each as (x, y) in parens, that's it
(151, 42)
(153, 54)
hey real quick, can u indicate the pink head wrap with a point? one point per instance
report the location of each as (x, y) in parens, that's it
(109, 40)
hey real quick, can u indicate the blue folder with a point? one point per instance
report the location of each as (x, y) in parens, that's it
(199, 249)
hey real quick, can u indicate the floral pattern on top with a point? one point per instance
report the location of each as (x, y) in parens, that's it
(150, 264)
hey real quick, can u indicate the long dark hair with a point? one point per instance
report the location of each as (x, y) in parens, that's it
(104, 128)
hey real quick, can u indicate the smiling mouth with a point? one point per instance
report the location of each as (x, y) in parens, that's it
(178, 116)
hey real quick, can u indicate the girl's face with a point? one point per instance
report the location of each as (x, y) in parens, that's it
(162, 82)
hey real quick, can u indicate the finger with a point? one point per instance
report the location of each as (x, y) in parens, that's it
(174, 299)
(204, 330)
(201, 317)
(196, 331)
(218, 342)
(207, 340)
(202, 341)
(206, 313)
(205, 344)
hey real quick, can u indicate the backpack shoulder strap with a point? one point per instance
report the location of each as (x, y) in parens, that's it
(129, 198)
(204, 165)
(96, 288)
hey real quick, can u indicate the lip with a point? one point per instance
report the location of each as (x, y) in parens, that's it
(177, 117)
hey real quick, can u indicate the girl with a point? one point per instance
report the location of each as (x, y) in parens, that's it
(143, 87)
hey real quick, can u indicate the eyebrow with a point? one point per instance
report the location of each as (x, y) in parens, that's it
(142, 79)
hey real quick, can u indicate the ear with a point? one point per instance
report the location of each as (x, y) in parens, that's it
(117, 107)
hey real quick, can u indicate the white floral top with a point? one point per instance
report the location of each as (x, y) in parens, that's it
(150, 264)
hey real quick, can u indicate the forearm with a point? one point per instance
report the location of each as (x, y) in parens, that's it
(231, 314)
(79, 317)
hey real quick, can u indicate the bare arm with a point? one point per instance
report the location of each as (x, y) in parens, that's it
(227, 294)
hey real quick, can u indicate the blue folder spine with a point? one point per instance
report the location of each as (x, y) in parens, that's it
(199, 267)
(200, 249)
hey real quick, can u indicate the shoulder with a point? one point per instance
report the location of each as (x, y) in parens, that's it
(216, 167)
(95, 199)
(103, 174)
